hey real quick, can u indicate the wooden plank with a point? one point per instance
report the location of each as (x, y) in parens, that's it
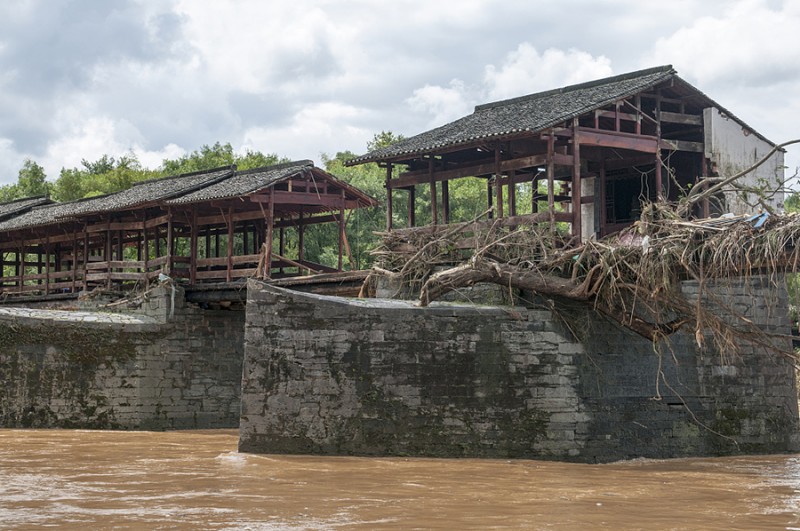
(613, 115)
(302, 198)
(679, 118)
(682, 145)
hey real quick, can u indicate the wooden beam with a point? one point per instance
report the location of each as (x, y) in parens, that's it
(679, 118)
(485, 168)
(590, 137)
(682, 145)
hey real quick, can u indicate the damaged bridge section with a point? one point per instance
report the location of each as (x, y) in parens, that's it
(336, 376)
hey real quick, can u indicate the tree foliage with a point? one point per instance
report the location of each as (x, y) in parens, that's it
(31, 181)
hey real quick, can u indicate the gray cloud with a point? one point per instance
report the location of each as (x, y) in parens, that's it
(315, 76)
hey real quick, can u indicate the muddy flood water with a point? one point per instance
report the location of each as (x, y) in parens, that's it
(196, 480)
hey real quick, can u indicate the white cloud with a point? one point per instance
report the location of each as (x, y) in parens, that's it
(749, 43)
(327, 126)
(442, 104)
(525, 71)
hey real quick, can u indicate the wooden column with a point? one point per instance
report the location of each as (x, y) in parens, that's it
(341, 230)
(412, 206)
(193, 235)
(270, 230)
(389, 206)
(146, 246)
(512, 194)
(85, 255)
(434, 199)
(446, 201)
(301, 238)
(47, 266)
(489, 198)
(74, 258)
(229, 264)
(498, 186)
(602, 206)
(108, 250)
(282, 243)
(170, 242)
(551, 169)
(576, 183)
(659, 184)
(21, 274)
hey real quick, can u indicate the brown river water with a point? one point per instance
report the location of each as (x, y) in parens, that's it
(79, 479)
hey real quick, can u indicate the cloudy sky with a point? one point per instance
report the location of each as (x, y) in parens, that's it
(79, 79)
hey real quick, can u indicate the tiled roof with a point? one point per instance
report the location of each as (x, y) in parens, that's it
(12, 208)
(219, 183)
(245, 182)
(139, 194)
(532, 113)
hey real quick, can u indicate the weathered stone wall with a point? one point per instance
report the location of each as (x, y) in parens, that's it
(157, 367)
(372, 377)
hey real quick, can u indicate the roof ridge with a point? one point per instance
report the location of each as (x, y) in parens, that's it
(280, 165)
(29, 198)
(569, 88)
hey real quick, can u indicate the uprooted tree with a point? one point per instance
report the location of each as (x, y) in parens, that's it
(633, 277)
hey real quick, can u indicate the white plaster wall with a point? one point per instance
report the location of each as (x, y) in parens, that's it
(588, 226)
(733, 148)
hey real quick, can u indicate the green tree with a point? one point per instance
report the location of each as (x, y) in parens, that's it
(216, 156)
(103, 176)
(31, 181)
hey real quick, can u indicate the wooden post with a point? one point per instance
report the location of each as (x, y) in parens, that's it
(47, 265)
(170, 242)
(193, 235)
(281, 244)
(498, 185)
(446, 201)
(576, 183)
(434, 199)
(74, 258)
(85, 255)
(107, 251)
(551, 202)
(638, 102)
(512, 194)
(146, 246)
(301, 238)
(21, 274)
(489, 198)
(658, 150)
(270, 230)
(229, 264)
(412, 206)
(603, 206)
(341, 230)
(389, 206)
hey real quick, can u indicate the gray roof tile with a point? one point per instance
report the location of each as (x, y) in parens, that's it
(16, 207)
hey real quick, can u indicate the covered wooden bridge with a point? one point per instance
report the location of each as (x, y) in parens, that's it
(215, 226)
(586, 155)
